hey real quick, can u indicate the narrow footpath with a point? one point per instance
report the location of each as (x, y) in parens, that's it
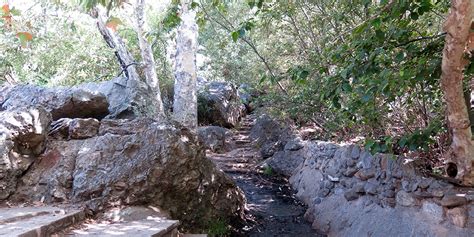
(271, 206)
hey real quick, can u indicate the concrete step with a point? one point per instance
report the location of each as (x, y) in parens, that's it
(37, 221)
(141, 228)
(134, 221)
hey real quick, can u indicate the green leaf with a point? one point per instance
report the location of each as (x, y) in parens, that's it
(346, 87)
(360, 28)
(376, 22)
(235, 36)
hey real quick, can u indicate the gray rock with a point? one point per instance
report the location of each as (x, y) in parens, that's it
(351, 195)
(219, 104)
(216, 139)
(405, 199)
(359, 187)
(83, 128)
(437, 193)
(350, 163)
(60, 102)
(324, 192)
(422, 194)
(365, 174)
(453, 201)
(294, 144)
(433, 211)
(328, 184)
(370, 188)
(285, 162)
(133, 163)
(350, 172)
(22, 137)
(388, 193)
(365, 161)
(355, 153)
(409, 185)
(269, 131)
(425, 183)
(270, 148)
(458, 216)
(127, 99)
(388, 202)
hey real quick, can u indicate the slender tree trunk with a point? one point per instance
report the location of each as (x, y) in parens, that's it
(125, 58)
(457, 26)
(185, 98)
(147, 56)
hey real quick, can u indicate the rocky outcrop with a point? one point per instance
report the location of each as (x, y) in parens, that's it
(22, 137)
(351, 192)
(126, 100)
(219, 104)
(132, 162)
(111, 99)
(216, 139)
(104, 149)
(60, 102)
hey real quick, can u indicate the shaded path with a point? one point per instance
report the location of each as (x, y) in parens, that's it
(270, 201)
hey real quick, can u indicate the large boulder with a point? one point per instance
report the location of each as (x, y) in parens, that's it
(22, 136)
(270, 135)
(60, 102)
(127, 99)
(219, 104)
(117, 98)
(216, 139)
(287, 160)
(135, 162)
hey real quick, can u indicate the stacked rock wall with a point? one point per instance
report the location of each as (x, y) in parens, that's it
(350, 192)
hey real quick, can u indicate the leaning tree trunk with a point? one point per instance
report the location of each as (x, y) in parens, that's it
(457, 26)
(185, 99)
(125, 58)
(147, 56)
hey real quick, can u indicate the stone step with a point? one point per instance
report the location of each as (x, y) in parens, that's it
(134, 221)
(37, 221)
(155, 227)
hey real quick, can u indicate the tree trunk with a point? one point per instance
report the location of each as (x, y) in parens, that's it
(114, 41)
(458, 26)
(185, 99)
(147, 56)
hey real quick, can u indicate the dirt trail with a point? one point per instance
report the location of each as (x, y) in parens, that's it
(270, 201)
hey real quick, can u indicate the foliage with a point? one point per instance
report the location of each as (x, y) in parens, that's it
(353, 67)
(218, 227)
(55, 50)
(268, 171)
